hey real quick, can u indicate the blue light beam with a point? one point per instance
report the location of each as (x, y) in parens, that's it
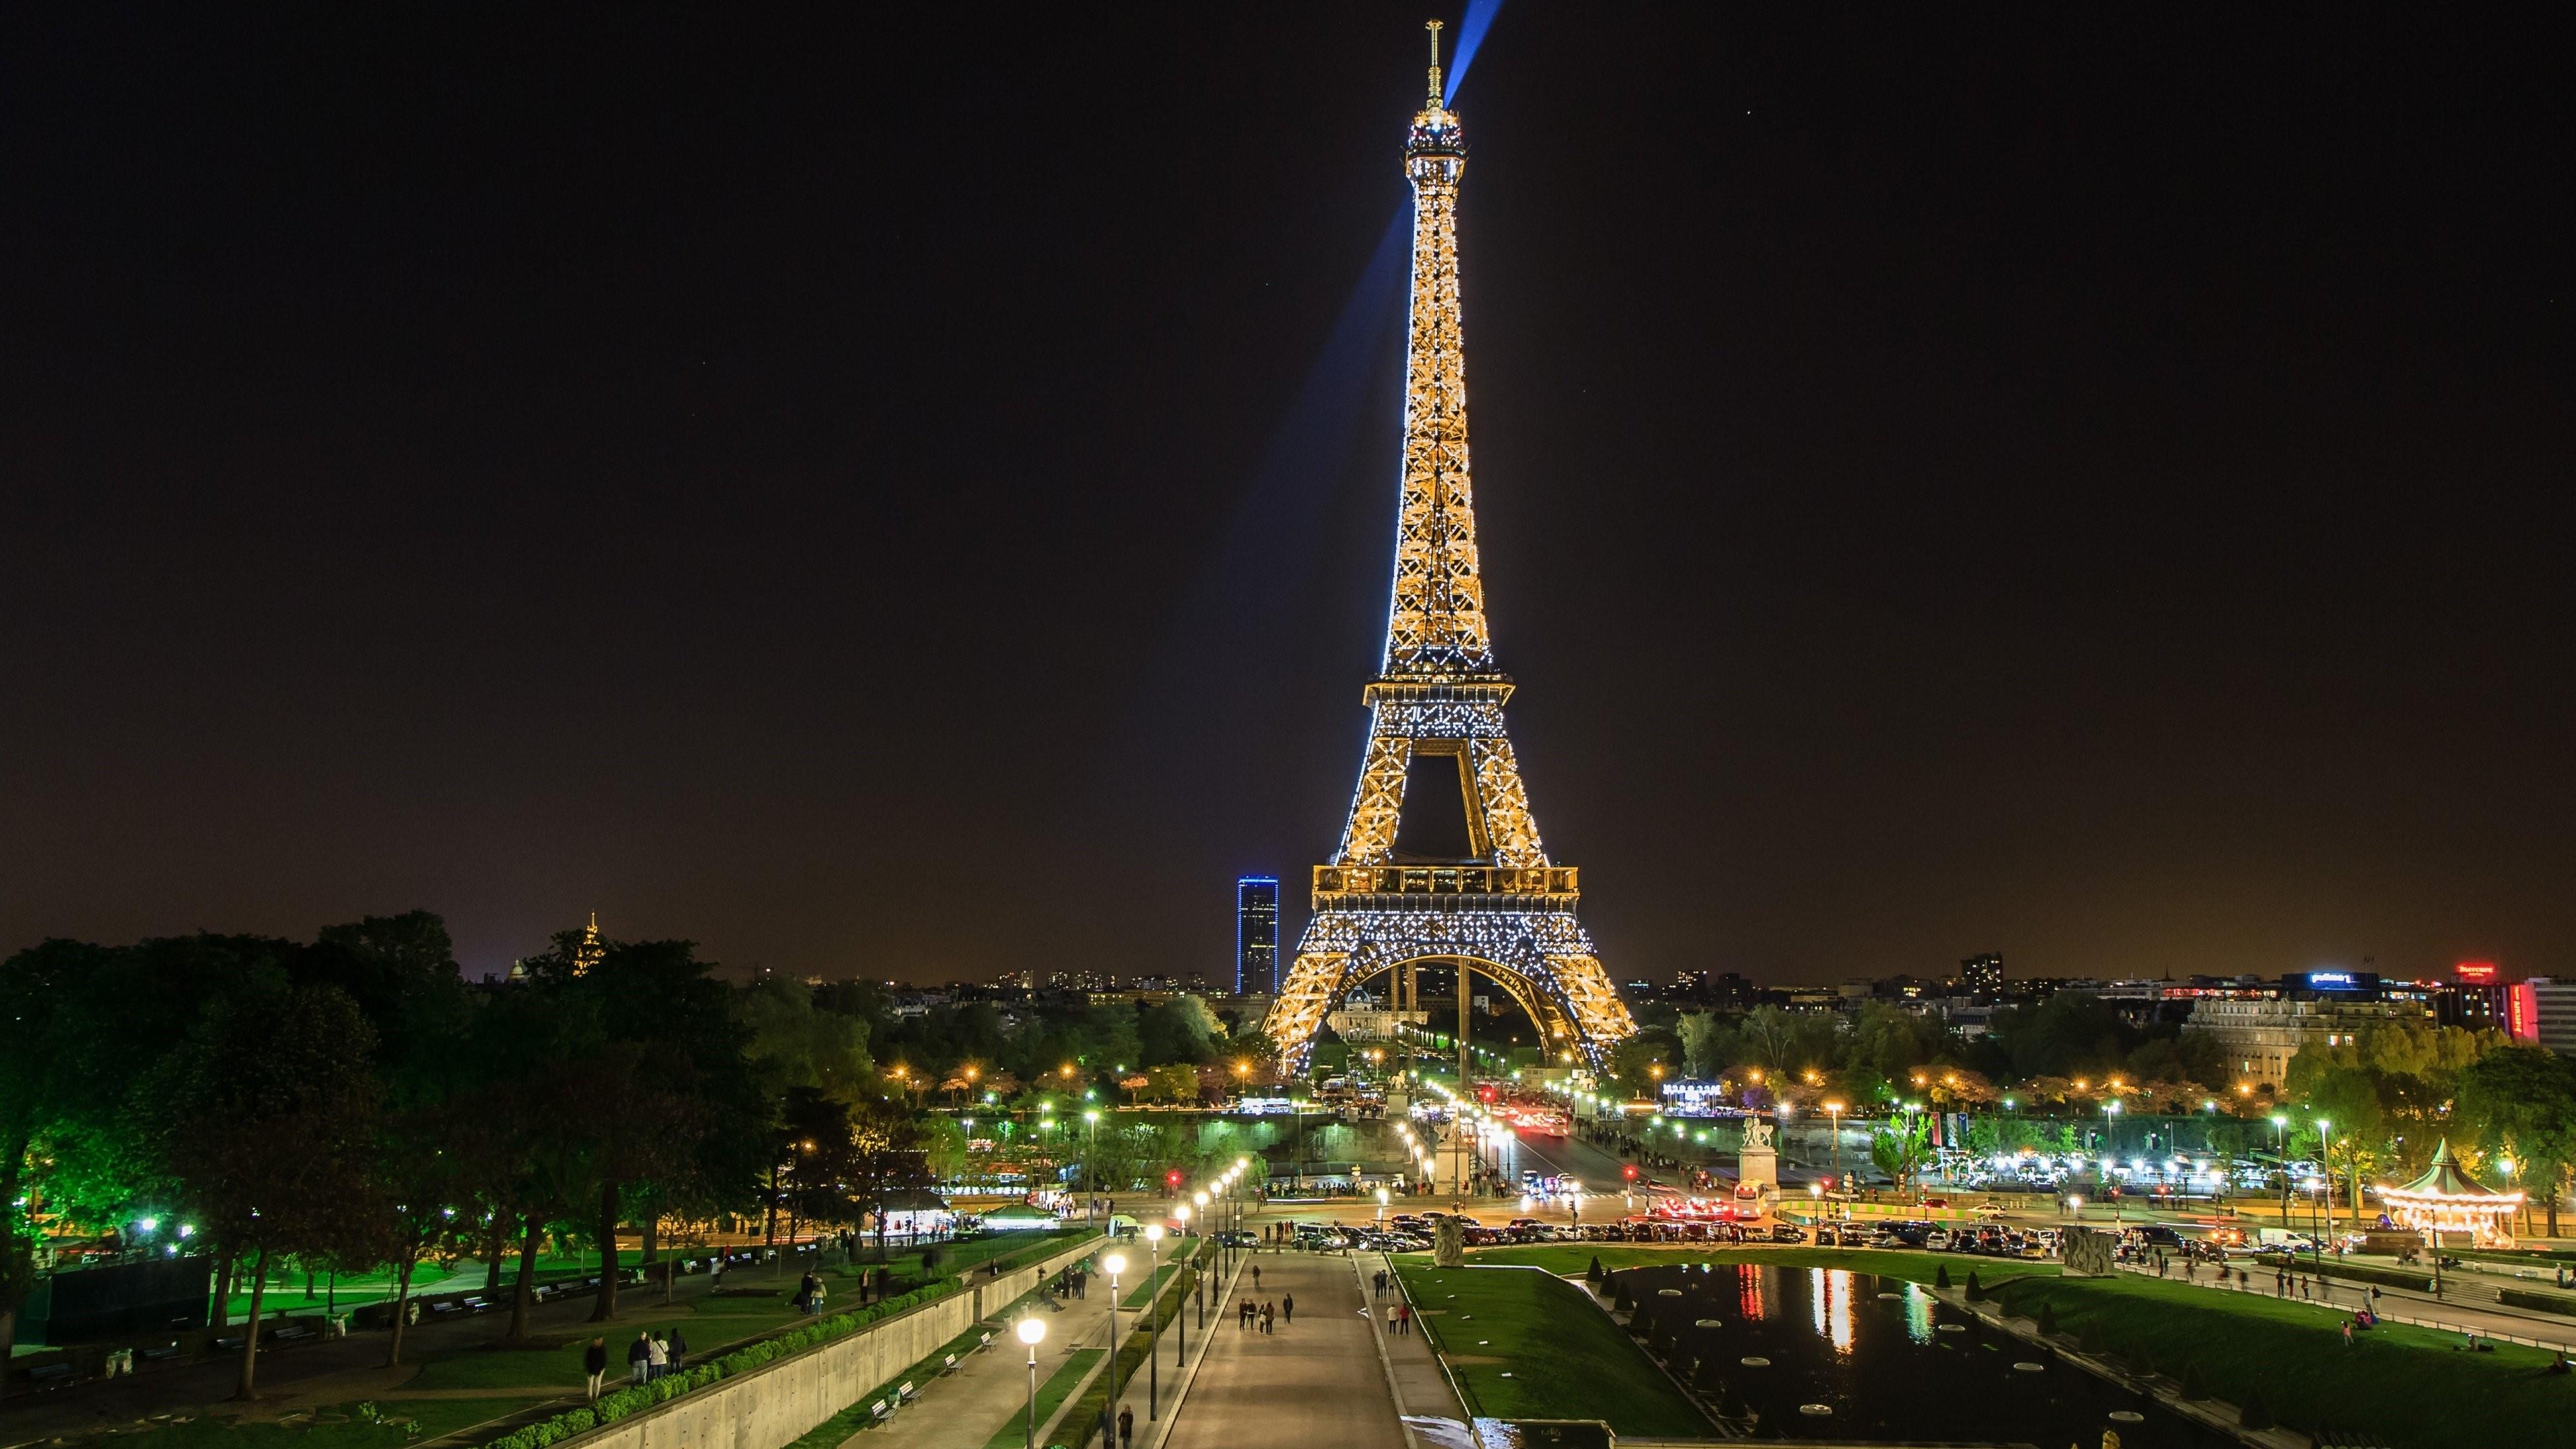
(1471, 33)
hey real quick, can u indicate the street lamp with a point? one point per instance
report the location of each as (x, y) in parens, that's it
(2325, 1155)
(2111, 1151)
(1834, 1109)
(1381, 1208)
(2281, 1159)
(1030, 1331)
(1091, 1154)
(1154, 1322)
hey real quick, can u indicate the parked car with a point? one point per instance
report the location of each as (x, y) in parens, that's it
(1788, 1233)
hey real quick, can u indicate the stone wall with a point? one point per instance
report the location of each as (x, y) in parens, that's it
(778, 1403)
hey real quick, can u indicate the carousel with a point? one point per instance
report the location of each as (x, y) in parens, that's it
(2446, 1200)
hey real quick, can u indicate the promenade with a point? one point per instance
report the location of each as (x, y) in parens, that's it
(1318, 1380)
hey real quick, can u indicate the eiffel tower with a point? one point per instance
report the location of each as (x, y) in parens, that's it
(1505, 911)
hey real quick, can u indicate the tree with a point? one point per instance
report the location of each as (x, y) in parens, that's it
(267, 1117)
(1901, 1148)
(888, 1161)
(1175, 1083)
(2523, 1099)
(794, 1043)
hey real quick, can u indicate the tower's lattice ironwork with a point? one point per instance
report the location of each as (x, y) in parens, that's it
(1508, 912)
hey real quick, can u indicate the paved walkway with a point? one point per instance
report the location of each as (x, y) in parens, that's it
(1316, 1381)
(991, 1389)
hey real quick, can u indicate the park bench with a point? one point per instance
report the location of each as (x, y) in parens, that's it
(51, 1375)
(476, 1305)
(879, 1412)
(156, 1355)
(985, 1342)
(297, 1334)
(907, 1393)
(227, 1345)
(948, 1365)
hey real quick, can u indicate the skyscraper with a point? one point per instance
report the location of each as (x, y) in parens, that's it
(1983, 975)
(1256, 934)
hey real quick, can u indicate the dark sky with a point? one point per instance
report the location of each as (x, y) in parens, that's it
(917, 501)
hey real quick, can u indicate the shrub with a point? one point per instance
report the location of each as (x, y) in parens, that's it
(2254, 1413)
(1975, 1290)
(1619, 1295)
(1941, 1276)
(2089, 1338)
(2192, 1387)
(2047, 1321)
(1641, 1323)
(1593, 1275)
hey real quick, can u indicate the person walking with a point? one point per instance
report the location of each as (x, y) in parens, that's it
(1126, 1427)
(1404, 1318)
(639, 1356)
(657, 1358)
(677, 1348)
(1256, 1277)
(1288, 1307)
(1269, 1313)
(594, 1362)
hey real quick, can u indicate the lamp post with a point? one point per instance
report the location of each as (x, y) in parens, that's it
(2325, 1159)
(1091, 1153)
(1180, 1340)
(1153, 1322)
(1114, 1264)
(1031, 1330)
(1834, 1109)
(2281, 1159)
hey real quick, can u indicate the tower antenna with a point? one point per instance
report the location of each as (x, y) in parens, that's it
(1434, 27)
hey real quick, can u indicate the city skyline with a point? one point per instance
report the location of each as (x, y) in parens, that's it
(2072, 490)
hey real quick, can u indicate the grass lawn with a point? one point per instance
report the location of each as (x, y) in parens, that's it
(2406, 1385)
(1527, 1345)
(1051, 1393)
(553, 1361)
(335, 1427)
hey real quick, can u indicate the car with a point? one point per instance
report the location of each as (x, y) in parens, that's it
(1788, 1233)
(1937, 1240)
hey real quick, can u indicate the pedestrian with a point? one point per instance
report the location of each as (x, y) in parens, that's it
(1126, 1427)
(657, 1358)
(594, 1362)
(1288, 1306)
(2347, 1333)
(1243, 1312)
(678, 1349)
(639, 1355)
(1403, 1318)
(1256, 1277)
(715, 1274)
(1082, 1283)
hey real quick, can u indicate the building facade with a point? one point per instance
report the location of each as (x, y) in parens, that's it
(1256, 934)
(1982, 975)
(2260, 1036)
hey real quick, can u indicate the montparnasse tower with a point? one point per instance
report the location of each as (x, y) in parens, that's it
(1503, 910)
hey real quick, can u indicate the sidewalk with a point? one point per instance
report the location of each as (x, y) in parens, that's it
(990, 1390)
(1317, 1380)
(1421, 1385)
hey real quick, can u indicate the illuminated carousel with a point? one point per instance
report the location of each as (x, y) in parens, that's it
(2446, 1200)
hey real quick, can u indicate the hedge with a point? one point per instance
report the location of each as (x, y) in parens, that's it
(612, 1407)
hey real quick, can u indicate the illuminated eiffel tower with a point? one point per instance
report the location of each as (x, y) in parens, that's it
(1504, 910)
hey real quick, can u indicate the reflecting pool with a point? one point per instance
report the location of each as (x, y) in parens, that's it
(1827, 1353)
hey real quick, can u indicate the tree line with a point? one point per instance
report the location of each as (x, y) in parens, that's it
(352, 1103)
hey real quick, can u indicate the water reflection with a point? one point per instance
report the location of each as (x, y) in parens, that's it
(1918, 1313)
(1883, 1366)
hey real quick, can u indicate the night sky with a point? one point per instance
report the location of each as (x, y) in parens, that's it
(917, 502)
